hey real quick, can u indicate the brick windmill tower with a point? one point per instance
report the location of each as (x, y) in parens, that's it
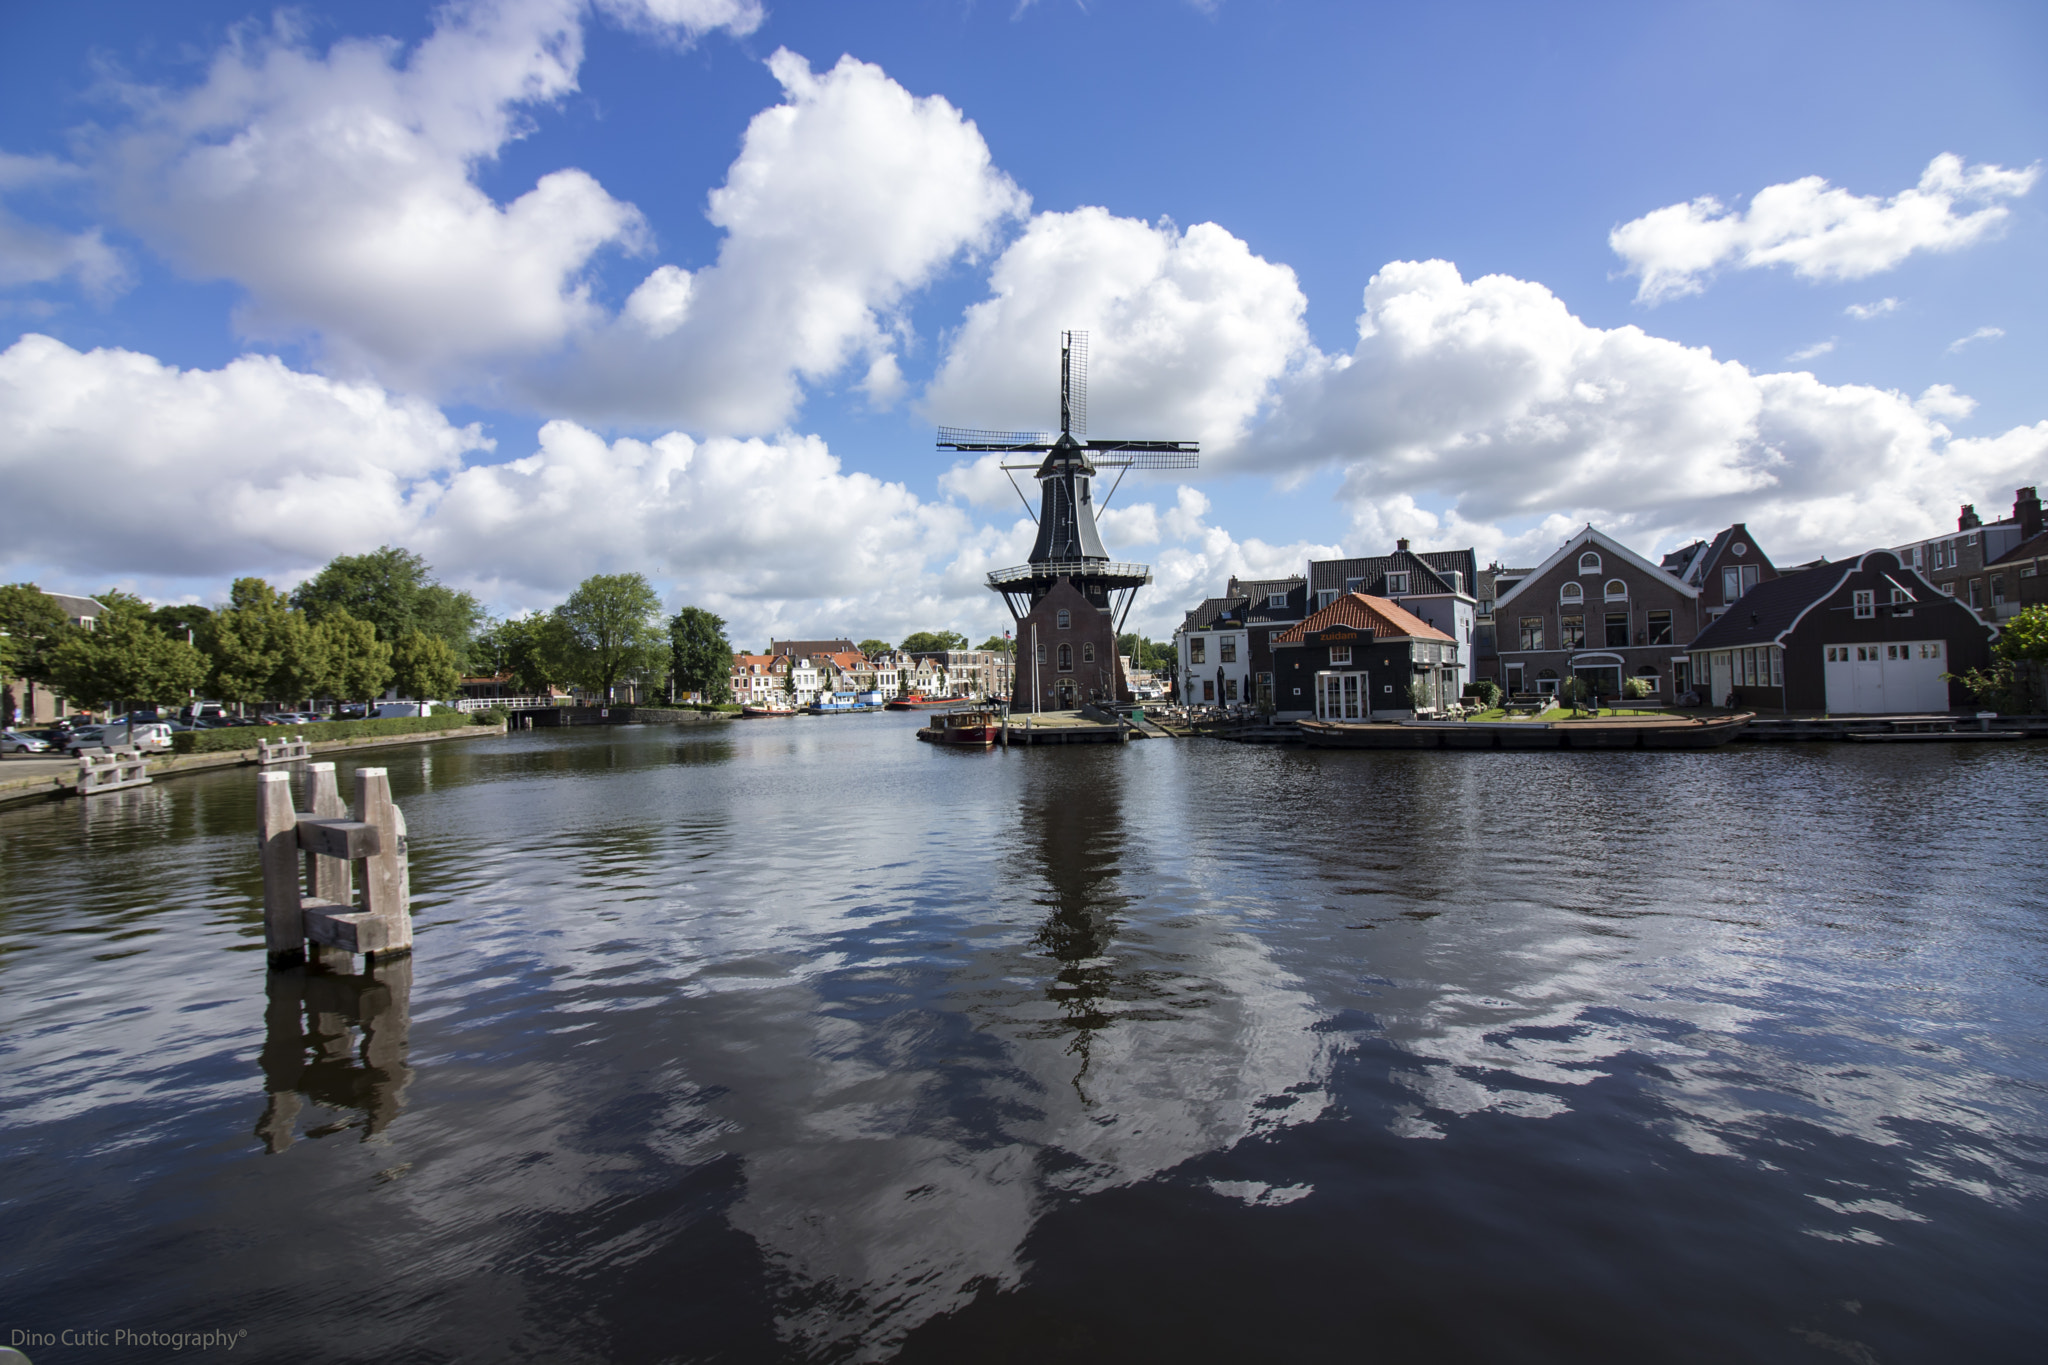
(1070, 601)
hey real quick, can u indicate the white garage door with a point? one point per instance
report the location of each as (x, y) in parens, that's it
(1869, 679)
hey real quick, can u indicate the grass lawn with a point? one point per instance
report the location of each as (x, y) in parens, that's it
(1556, 713)
(1499, 713)
(1610, 711)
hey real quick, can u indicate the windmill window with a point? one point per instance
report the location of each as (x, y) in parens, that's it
(1066, 658)
(1063, 618)
(1088, 654)
(1571, 592)
(1041, 654)
(1589, 562)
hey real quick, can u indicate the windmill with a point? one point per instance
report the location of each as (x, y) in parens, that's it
(1068, 559)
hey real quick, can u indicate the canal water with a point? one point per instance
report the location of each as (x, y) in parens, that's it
(800, 1040)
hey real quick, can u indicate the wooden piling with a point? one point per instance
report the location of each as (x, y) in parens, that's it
(277, 838)
(387, 890)
(327, 876)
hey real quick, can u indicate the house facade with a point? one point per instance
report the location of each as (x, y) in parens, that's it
(1863, 636)
(2016, 577)
(1066, 650)
(1271, 605)
(1722, 569)
(1438, 586)
(1212, 649)
(1966, 565)
(1363, 658)
(1596, 609)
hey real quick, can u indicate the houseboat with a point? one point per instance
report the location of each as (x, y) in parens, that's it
(975, 729)
(1674, 732)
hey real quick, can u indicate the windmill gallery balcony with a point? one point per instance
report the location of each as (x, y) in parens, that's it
(1115, 575)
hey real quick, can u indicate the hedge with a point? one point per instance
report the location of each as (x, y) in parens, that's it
(245, 736)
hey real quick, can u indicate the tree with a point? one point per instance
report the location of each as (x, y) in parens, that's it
(260, 649)
(125, 658)
(394, 590)
(423, 667)
(932, 641)
(996, 643)
(1146, 654)
(182, 621)
(875, 649)
(358, 663)
(612, 630)
(700, 657)
(2019, 661)
(35, 625)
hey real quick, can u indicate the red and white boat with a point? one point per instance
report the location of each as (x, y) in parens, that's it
(975, 729)
(766, 711)
(917, 701)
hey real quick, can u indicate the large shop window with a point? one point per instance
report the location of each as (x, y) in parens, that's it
(1343, 696)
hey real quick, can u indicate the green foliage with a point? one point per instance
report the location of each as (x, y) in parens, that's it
(423, 667)
(998, 644)
(700, 656)
(237, 738)
(874, 648)
(1638, 688)
(394, 590)
(490, 715)
(531, 649)
(358, 663)
(180, 619)
(1487, 690)
(612, 630)
(1152, 655)
(1418, 695)
(932, 641)
(262, 650)
(1574, 691)
(34, 626)
(2025, 636)
(125, 658)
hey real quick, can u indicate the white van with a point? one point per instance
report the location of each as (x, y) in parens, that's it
(404, 708)
(152, 737)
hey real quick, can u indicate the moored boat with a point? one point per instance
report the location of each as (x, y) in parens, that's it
(977, 728)
(765, 711)
(917, 701)
(1663, 732)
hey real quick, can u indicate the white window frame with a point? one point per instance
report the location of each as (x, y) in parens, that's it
(1864, 603)
(1608, 593)
(1340, 654)
(1589, 562)
(1276, 599)
(1324, 597)
(1571, 592)
(1397, 582)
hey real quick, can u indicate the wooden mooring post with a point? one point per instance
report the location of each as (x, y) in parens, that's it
(111, 770)
(340, 883)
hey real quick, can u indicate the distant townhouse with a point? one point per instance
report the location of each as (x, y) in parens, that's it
(1722, 569)
(1271, 605)
(1493, 580)
(973, 672)
(797, 649)
(38, 705)
(1364, 658)
(758, 678)
(1869, 635)
(1965, 565)
(2016, 577)
(1212, 651)
(1437, 586)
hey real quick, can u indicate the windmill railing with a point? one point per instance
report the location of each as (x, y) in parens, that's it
(1073, 568)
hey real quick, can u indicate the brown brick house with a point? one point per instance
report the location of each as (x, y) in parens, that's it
(1597, 610)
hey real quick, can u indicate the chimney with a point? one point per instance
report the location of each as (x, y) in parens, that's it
(1401, 545)
(1969, 520)
(2026, 510)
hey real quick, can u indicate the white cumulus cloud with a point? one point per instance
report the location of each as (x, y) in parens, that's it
(115, 462)
(1490, 401)
(1189, 331)
(338, 188)
(1981, 334)
(1866, 312)
(1821, 232)
(845, 197)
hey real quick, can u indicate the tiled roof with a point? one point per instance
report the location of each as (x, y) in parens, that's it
(1383, 619)
(1257, 589)
(1434, 567)
(1204, 616)
(1767, 610)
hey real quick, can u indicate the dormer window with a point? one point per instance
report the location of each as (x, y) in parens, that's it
(1324, 597)
(1589, 562)
(1617, 591)
(1571, 592)
(1397, 582)
(1276, 599)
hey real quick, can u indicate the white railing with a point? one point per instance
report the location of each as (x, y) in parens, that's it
(1097, 568)
(469, 704)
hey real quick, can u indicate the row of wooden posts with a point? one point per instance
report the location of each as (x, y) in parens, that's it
(332, 877)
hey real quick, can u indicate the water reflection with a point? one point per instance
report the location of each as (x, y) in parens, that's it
(1108, 1043)
(338, 1039)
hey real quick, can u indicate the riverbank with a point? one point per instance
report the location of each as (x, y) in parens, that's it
(56, 778)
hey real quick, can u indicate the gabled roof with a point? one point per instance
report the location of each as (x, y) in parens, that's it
(1429, 571)
(1591, 536)
(1384, 620)
(1204, 616)
(1254, 589)
(1768, 612)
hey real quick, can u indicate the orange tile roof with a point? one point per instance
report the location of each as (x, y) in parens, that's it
(1377, 615)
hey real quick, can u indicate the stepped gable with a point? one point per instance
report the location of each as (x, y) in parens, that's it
(1376, 615)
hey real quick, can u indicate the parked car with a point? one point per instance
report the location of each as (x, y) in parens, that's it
(354, 710)
(21, 742)
(404, 708)
(81, 737)
(151, 736)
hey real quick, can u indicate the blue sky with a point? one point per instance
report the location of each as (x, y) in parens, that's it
(314, 294)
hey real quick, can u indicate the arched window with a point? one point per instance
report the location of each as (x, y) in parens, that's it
(1066, 658)
(1063, 619)
(1589, 562)
(1571, 592)
(1617, 591)
(1088, 654)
